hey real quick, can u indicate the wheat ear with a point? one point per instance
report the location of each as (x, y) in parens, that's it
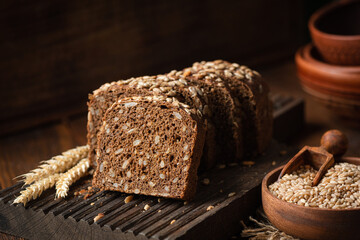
(56, 164)
(36, 189)
(71, 176)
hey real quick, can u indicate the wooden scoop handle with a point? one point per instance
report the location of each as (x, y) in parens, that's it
(335, 142)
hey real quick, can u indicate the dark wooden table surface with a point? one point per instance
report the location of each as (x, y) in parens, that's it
(22, 151)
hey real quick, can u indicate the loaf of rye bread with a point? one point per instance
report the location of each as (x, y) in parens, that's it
(150, 145)
(228, 102)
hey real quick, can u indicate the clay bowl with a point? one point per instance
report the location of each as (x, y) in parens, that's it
(335, 30)
(306, 222)
(337, 87)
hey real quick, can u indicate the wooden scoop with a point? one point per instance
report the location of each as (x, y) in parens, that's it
(333, 144)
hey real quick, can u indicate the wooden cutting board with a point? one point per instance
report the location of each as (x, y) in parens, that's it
(232, 194)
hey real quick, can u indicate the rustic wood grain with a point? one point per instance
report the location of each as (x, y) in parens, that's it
(54, 53)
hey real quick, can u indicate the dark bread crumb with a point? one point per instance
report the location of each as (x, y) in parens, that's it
(149, 147)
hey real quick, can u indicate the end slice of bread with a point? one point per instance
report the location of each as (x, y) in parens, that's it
(150, 145)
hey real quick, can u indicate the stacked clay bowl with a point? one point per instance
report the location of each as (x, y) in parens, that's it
(335, 30)
(338, 87)
(329, 69)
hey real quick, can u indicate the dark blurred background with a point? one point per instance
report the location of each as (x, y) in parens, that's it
(53, 53)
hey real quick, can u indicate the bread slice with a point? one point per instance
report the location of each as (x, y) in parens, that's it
(251, 96)
(98, 103)
(223, 110)
(150, 145)
(171, 85)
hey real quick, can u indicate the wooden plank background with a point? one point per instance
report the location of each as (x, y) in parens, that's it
(53, 53)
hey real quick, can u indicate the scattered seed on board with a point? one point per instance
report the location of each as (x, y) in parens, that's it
(210, 208)
(173, 221)
(98, 217)
(206, 181)
(283, 152)
(146, 207)
(248, 163)
(231, 194)
(221, 166)
(128, 199)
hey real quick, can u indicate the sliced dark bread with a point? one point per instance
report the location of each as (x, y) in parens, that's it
(98, 103)
(171, 85)
(150, 145)
(223, 110)
(251, 94)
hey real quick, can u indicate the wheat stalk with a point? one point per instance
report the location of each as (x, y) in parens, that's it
(71, 176)
(36, 189)
(264, 231)
(56, 164)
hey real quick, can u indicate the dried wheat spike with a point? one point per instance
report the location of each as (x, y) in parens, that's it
(71, 176)
(36, 189)
(56, 164)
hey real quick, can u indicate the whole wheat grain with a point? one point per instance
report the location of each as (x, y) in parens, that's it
(338, 189)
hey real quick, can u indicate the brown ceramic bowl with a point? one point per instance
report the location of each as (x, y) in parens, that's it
(307, 222)
(337, 87)
(335, 30)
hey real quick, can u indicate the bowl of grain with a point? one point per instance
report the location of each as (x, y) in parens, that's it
(330, 210)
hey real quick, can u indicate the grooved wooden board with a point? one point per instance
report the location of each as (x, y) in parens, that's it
(72, 218)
